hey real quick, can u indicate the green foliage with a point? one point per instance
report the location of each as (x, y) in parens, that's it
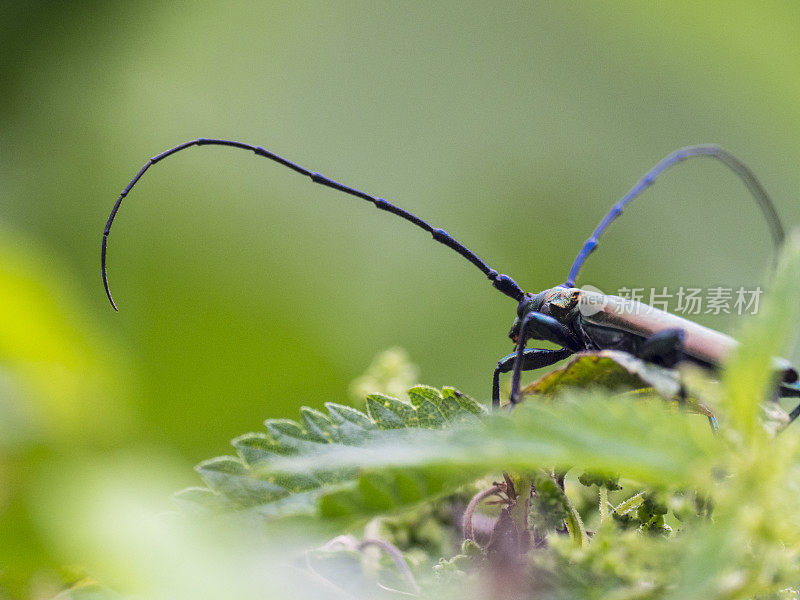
(351, 464)
(610, 482)
(550, 507)
(454, 570)
(614, 370)
(257, 478)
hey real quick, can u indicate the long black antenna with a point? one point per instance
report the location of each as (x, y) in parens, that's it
(504, 283)
(709, 150)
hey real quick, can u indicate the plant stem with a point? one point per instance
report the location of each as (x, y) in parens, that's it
(628, 505)
(604, 514)
(574, 525)
(466, 522)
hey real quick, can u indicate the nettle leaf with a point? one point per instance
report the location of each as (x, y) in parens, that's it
(288, 437)
(353, 425)
(430, 416)
(639, 439)
(616, 371)
(318, 426)
(230, 477)
(465, 402)
(197, 498)
(452, 405)
(420, 393)
(396, 468)
(344, 463)
(257, 478)
(254, 447)
(391, 413)
(386, 489)
(609, 369)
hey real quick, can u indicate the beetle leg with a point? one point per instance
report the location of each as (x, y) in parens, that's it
(790, 390)
(532, 358)
(664, 348)
(537, 326)
(794, 413)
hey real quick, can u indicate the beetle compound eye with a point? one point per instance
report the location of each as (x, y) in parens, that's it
(514, 333)
(531, 302)
(522, 307)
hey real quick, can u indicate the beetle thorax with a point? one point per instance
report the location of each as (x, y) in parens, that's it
(561, 303)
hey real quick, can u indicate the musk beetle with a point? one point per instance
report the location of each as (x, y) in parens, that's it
(576, 320)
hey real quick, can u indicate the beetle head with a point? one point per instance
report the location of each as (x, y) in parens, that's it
(528, 304)
(560, 302)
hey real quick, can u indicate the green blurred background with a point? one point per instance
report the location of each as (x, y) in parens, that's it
(245, 291)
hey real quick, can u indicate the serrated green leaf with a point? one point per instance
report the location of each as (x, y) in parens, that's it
(291, 482)
(353, 426)
(469, 404)
(615, 371)
(639, 439)
(451, 404)
(391, 413)
(197, 498)
(255, 448)
(221, 468)
(257, 478)
(430, 417)
(391, 457)
(318, 426)
(346, 414)
(450, 407)
(304, 504)
(228, 476)
(420, 393)
(288, 436)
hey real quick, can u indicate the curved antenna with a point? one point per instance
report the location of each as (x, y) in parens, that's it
(709, 150)
(503, 283)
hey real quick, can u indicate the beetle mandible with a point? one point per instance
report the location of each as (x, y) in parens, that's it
(558, 314)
